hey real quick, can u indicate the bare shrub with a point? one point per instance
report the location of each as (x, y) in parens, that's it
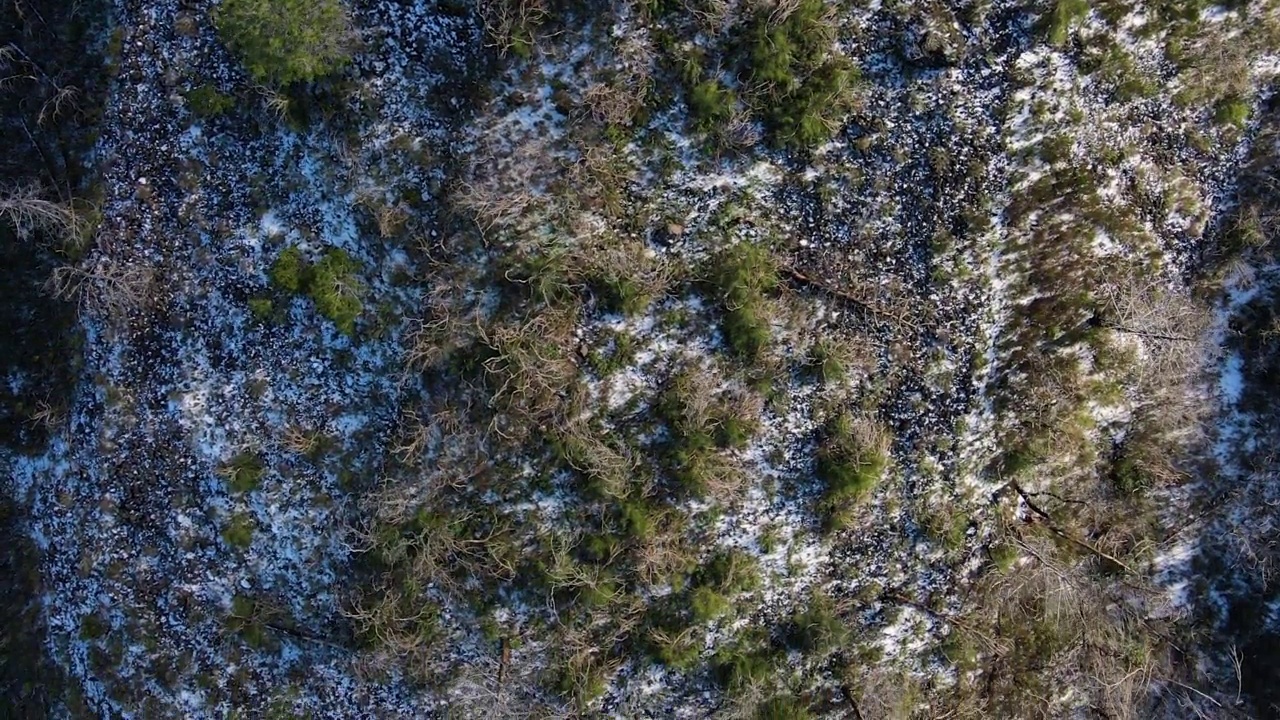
(510, 23)
(104, 287)
(26, 209)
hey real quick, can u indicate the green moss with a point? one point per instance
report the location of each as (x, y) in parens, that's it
(206, 102)
(239, 531)
(286, 41)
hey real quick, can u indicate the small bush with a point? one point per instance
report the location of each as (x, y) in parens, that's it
(243, 472)
(959, 652)
(747, 663)
(678, 651)
(286, 41)
(581, 680)
(730, 571)
(333, 284)
(290, 270)
(711, 104)
(262, 308)
(623, 295)
(817, 628)
(239, 532)
(1232, 112)
(826, 361)
(807, 89)
(206, 102)
(336, 289)
(707, 605)
(93, 627)
(1003, 555)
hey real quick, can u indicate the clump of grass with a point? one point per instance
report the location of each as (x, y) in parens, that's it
(1003, 555)
(707, 605)
(248, 619)
(701, 424)
(730, 571)
(744, 275)
(782, 707)
(239, 531)
(851, 459)
(262, 308)
(243, 472)
(711, 104)
(827, 360)
(747, 663)
(581, 680)
(93, 627)
(959, 651)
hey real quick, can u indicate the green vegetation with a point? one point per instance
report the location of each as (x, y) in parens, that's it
(851, 459)
(743, 275)
(289, 271)
(239, 531)
(93, 627)
(817, 628)
(1232, 112)
(243, 472)
(249, 619)
(287, 41)
(783, 707)
(807, 89)
(206, 102)
(712, 105)
(1065, 16)
(333, 283)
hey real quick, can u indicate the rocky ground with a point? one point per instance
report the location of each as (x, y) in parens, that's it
(1012, 265)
